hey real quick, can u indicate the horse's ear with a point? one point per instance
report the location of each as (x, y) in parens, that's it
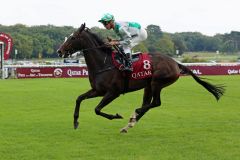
(81, 28)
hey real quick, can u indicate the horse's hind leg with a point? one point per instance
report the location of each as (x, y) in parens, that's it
(163, 79)
(147, 97)
(156, 87)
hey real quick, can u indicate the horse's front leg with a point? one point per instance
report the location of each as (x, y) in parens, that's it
(89, 94)
(108, 97)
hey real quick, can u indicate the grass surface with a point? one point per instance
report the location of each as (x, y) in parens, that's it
(36, 123)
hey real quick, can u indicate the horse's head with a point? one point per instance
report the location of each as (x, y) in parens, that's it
(71, 44)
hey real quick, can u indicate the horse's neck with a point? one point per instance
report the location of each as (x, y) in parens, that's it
(96, 60)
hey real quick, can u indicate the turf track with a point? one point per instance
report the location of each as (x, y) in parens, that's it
(36, 123)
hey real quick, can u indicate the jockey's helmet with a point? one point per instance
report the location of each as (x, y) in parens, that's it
(106, 18)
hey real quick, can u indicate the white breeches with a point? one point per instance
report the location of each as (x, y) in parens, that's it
(142, 35)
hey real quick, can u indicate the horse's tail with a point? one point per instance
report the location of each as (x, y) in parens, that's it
(216, 90)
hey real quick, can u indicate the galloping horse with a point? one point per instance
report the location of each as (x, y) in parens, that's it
(109, 82)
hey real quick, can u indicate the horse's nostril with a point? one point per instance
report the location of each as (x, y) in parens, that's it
(59, 51)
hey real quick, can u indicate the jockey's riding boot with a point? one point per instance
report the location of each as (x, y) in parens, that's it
(128, 64)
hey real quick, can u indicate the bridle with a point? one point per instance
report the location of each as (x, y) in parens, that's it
(71, 53)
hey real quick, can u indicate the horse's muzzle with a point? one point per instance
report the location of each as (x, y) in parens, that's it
(59, 53)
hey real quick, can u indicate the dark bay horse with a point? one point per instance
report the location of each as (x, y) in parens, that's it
(108, 82)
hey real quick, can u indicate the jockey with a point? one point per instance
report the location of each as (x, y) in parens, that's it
(130, 33)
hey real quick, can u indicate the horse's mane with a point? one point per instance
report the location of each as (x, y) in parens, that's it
(99, 41)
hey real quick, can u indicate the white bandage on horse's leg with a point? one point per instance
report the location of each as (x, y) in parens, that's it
(131, 123)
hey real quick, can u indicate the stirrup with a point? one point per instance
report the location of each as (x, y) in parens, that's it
(130, 69)
(121, 67)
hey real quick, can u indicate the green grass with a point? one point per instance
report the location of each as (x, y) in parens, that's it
(36, 123)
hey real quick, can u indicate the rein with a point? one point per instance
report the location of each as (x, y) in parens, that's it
(82, 50)
(105, 69)
(93, 48)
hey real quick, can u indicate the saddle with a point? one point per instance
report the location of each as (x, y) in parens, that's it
(141, 63)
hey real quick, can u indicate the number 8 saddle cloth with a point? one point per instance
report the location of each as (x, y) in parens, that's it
(141, 63)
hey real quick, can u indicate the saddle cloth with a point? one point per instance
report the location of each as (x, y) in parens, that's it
(141, 63)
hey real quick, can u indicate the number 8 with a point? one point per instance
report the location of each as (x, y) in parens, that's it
(147, 64)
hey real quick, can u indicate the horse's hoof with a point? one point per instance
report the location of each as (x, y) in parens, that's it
(75, 125)
(118, 116)
(123, 130)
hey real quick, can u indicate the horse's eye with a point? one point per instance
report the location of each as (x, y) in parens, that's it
(73, 38)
